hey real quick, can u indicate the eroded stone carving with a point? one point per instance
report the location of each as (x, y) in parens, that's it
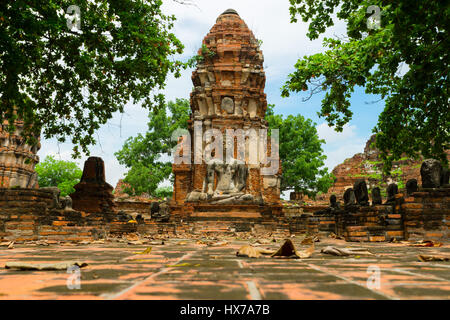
(445, 176)
(392, 190)
(333, 202)
(430, 171)
(231, 180)
(376, 196)
(160, 211)
(55, 194)
(411, 186)
(228, 105)
(361, 194)
(349, 197)
(66, 203)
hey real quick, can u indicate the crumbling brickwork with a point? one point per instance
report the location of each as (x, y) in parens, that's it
(427, 214)
(17, 158)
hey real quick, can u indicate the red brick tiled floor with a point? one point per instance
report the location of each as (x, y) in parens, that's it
(196, 271)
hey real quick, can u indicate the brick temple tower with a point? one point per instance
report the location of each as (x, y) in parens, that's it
(228, 94)
(17, 158)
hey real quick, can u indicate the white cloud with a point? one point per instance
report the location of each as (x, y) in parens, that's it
(342, 152)
(331, 136)
(340, 145)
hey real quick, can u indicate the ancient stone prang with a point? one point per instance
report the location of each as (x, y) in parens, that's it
(228, 96)
(17, 158)
(93, 193)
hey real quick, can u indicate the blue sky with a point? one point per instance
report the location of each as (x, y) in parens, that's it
(283, 44)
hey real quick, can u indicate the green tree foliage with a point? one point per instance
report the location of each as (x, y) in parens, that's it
(67, 82)
(301, 154)
(147, 156)
(413, 36)
(58, 173)
(164, 192)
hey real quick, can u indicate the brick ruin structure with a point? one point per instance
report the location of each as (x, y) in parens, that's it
(416, 214)
(226, 198)
(228, 94)
(93, 193)
(367, 165)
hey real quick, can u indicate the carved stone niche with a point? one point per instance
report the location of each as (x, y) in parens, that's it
(227, 105)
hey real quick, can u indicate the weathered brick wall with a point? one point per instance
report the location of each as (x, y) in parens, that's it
(371, 223)
(20, 212)
(427, 214)
(26, 215)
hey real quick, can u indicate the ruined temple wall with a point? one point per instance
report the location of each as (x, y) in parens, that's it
(368, 165)
(29, 215)
(422, 216)
(427, 214)
(371, 224)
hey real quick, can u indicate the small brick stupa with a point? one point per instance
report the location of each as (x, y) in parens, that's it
(17, 159)
(93, 194)
(228, 94)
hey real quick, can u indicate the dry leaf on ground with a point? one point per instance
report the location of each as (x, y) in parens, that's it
(132, 237)
(146, 251)
(262, 241)
(426, 258)
(303, 254)
(252, 252)
(137, 243)
(345, 252)
(335, 236)
(426, 243)
(310, 240)
(287, 250)
(218, 243)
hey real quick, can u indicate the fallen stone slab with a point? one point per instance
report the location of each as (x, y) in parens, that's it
(23, 266)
